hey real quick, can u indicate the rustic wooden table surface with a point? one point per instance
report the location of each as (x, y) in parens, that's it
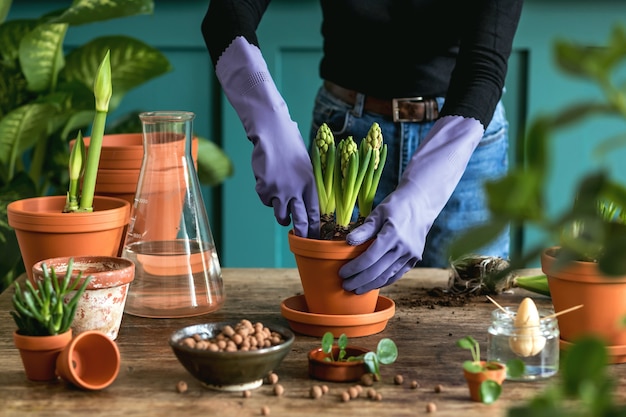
(424, 331)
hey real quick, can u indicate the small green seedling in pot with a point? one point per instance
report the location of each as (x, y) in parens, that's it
(386, 353)
(490, 390)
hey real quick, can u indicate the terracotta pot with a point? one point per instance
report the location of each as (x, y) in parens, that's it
(318, 263)
(90, 361)
(101, 306)
(337, 371)
(43, 231)
(121, 158)
(474, 380)
(603, 299)
(39, 354)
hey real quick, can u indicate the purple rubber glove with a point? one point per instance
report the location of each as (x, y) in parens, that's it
(401, 222)
(280, 160)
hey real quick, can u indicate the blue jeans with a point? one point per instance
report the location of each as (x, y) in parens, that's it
(466, 207)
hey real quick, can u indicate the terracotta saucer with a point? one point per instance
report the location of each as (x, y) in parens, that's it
(617, 354)
(294, 309)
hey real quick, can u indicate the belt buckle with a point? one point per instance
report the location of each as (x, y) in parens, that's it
(397, 102)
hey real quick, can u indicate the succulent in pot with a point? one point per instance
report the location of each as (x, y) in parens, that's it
(43, 312)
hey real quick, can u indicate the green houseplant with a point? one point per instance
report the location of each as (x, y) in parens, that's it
(43, 312)
(485, 378)
(45, 98)
(344, 174)
(589, 233)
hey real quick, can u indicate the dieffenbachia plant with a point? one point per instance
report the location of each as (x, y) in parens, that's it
(89, 166)
(373, 141)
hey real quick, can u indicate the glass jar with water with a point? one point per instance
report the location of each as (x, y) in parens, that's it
(177, 270)
(537, 346)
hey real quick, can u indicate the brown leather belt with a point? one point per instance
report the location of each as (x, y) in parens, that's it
(410, 109)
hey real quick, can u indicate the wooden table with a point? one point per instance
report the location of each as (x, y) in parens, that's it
(424, 332)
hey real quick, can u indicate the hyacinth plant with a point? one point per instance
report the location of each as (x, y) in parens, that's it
(346, 174)
(86, 166)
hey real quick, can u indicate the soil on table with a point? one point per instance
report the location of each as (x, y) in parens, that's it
(434, 297)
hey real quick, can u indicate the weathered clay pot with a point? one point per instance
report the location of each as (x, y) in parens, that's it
(101, 306)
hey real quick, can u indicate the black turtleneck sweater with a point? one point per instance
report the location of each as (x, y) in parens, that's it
(457, 49)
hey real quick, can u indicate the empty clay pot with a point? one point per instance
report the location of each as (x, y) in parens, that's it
(91, 361)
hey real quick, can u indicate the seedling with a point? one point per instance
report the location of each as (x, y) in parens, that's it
(490, 390)
(386, 352)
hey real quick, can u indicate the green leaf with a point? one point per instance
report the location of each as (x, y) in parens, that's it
(473, 367)
(88, 11)
(467, 342)
(327, 342)
(11, 34)
(472, 239)
(490, 391)
(133, 62)
(387, 351)
(5, 6)
(515, 368)
(342, 342)
(214, 166)
(41, 56)
(371, 361)
(583, 363)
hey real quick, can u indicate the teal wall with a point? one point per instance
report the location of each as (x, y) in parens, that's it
(245, 231)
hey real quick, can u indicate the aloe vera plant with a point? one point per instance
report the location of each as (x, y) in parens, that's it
(48, 306)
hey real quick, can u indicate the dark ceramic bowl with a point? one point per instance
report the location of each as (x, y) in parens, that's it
(229, 371)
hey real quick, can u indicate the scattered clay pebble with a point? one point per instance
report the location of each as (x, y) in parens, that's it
(325, 389)
(272, 378)
(316, 392)
(345, 396)
(438, 388)
(414, 384)
(244, 336)
(431, 408)
(353, 392)
(398, 379)
(265, 411)
(378, 397)
(278, 390)
(246, 394)
(371, 393)
(367, 380)
(181, 386)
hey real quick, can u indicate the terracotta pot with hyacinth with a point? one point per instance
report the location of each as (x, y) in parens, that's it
(345, 174)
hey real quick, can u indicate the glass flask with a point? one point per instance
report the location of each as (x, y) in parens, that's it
(536, 346)
(177, 270)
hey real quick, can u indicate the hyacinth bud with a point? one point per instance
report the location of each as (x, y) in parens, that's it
(323, 141)
(374, 139)
(347, 148)
(102, 87)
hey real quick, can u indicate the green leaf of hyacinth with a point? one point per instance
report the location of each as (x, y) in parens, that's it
(88, 11)
(133, 62)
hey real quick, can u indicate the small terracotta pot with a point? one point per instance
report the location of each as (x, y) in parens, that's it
(101, 306)
(43, 231)
(91, 361)
(603, 299)
(39, 354)
(337, 371)
(318, 263)
(474, 380)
